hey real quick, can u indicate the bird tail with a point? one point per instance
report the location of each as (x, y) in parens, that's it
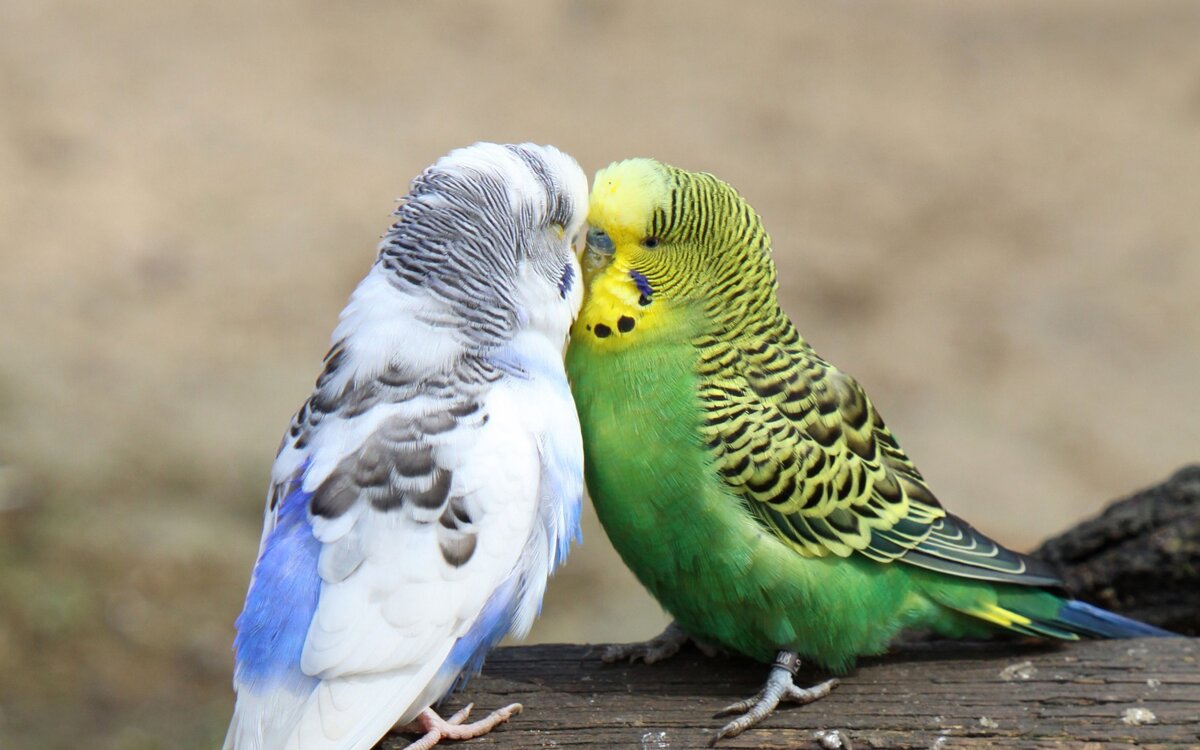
(1042, 613)
(1094, 622)
(343, 713)
(263, 720)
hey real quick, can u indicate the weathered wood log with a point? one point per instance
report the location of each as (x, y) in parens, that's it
(1095, 694)
(1140, 557)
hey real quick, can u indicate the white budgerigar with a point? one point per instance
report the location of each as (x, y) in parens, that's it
(433, 480)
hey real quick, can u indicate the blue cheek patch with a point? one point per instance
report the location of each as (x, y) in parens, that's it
(566, 281)
(643, 286)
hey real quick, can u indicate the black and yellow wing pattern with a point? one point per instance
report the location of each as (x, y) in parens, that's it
(799, 441)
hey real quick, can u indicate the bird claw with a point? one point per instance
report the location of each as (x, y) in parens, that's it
(436, 729)
(792, 694)
(779, 688)
(662, 646)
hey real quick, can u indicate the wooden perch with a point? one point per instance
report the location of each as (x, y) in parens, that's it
(1112, 694)
(1141, 557)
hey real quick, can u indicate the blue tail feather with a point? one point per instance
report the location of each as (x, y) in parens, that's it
(1100, 623)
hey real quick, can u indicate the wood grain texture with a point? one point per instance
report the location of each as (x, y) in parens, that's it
(943, 695)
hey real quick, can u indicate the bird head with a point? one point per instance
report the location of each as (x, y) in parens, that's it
(685, 237)
(482, 249)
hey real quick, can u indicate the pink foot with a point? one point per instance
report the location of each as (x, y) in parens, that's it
(436, 729)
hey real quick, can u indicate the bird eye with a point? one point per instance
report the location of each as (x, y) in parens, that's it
(650, 243)
(598, 241)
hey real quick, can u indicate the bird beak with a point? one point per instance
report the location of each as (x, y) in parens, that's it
(596, 255)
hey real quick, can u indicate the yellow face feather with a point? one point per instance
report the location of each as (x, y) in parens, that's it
(625, 196)
(616, 311)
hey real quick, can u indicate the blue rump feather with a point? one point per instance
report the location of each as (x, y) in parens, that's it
(282, 599)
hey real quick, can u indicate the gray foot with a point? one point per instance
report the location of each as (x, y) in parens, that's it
(779, 687)
(662, 646)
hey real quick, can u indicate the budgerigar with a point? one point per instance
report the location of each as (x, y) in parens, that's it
(433, 480)
(749, 484)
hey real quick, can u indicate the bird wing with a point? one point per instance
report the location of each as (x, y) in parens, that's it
(802, 444)
(387, 568)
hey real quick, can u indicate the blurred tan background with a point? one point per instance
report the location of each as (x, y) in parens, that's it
(990, 213)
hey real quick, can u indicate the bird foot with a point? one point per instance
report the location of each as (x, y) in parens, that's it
(436, 729)
(662, 646)
(779, 688)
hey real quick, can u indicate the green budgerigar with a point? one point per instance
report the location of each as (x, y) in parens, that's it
(750, 485)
